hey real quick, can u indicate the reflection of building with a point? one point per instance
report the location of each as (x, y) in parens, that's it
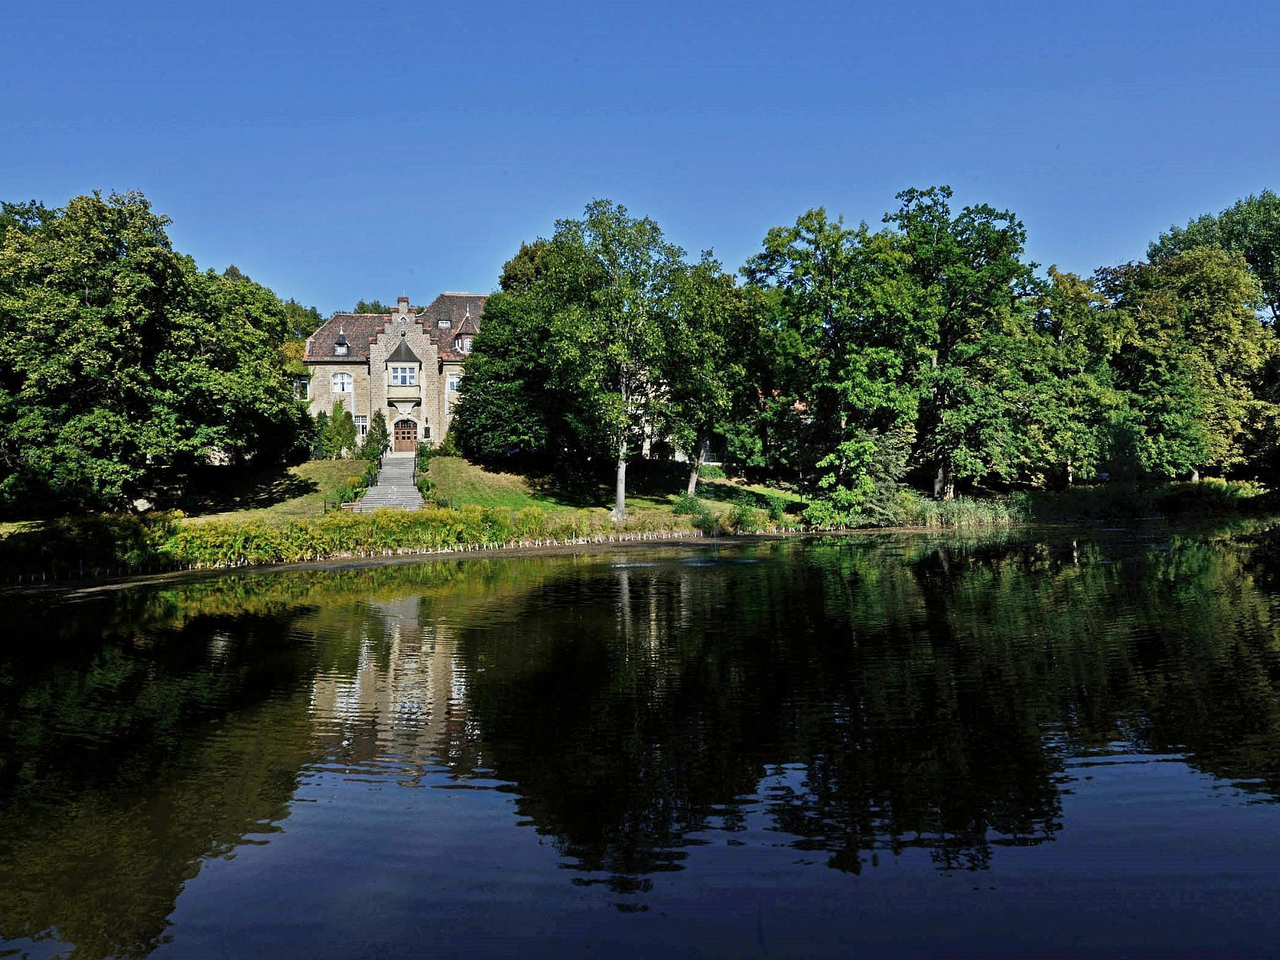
(406, 365)
(407, 698)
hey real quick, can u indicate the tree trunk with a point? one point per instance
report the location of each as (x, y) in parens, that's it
(620, 489)
(1195, 474)
(694, 466)
(944, 484)
(1071, 473)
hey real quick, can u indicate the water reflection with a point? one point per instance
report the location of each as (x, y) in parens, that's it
(853, 702)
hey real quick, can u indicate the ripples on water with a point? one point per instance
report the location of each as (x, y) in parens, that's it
(877, 745)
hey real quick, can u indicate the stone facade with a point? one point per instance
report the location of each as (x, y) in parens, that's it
(405, 365)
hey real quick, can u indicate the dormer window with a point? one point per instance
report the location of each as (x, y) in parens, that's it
(463, 344)
(443, 324)
(340, 347)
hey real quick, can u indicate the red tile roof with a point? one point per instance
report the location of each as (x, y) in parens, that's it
(462, 310)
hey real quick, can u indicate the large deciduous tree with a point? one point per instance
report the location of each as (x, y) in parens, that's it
(703, 365)
(1191, 359)
(972, 301)
(610, 280)
(845, 305)
(122, 365)
(1250, 227)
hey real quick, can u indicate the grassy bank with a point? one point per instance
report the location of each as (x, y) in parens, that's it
(487, 510)
(96, 546)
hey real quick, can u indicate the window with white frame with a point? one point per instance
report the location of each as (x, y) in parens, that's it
(404, 376)
(454, 380)
(362, 426)
(342, 383)
(444, 324)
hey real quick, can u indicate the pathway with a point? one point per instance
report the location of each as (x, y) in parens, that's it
(394, 489)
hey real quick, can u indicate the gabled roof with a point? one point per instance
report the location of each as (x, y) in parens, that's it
(402, 353)
(462, 310)
(359, 328)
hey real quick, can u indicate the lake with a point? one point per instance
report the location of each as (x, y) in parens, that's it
(1050, 743)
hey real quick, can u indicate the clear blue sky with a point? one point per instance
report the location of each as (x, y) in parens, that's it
(364, 149)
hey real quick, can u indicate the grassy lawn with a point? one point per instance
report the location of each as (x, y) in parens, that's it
(17, 526)
(275, 494)
(460, 482)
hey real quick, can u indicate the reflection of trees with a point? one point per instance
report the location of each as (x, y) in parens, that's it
(855, 699)
(915, 696)
(112, 788)
(143, 731)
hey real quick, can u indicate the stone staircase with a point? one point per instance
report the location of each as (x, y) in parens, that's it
(394, 489)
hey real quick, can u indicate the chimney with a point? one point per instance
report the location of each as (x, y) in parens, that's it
(402, 304)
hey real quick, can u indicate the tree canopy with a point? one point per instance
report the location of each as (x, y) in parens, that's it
(123, 365)
(853, 359)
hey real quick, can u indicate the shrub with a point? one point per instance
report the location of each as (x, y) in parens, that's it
(377, 441)
(87, 545)
(711, 471)
(746, 517)
(776, 506)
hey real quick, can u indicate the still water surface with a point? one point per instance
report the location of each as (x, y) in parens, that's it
(1043, 745)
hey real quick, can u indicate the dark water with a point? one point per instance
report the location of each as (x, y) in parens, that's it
(1039, 746)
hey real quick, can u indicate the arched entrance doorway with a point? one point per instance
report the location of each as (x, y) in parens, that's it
(404, 436)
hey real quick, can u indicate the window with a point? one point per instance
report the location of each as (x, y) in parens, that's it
(444, 324)
(454, 380)
(362, 426)
(342, 383)
(464, 344)
(404, 376)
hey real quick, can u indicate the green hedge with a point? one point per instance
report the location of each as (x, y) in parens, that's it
(95, 546)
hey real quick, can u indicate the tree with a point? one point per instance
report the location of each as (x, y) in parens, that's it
(525, 269)
(1192, 358)
(378, 440)
(320, 436)
(1070, 403)
(1250, 227)
(608, 281)
(973, 299)
(844, 299)
(340, 436)
(123, 366)
(702, 365)
(371, 306)
(508, 407)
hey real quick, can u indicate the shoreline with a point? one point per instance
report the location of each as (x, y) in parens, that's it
(90, 586)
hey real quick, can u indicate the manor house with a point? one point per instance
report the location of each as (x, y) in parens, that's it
(405, 364)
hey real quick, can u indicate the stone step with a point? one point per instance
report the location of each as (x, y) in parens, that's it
(394, 489)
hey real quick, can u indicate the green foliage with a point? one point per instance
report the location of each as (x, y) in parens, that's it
(339, 439)
(702, 362)
(377, 440)
(698, 512)
(711, 471)
(123, 366)
(1189, 361)
(320, 437)
(1250, 227)
(371, 306)
(568, 357)
(1121, 501)
(90, 545)
(355, 484)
